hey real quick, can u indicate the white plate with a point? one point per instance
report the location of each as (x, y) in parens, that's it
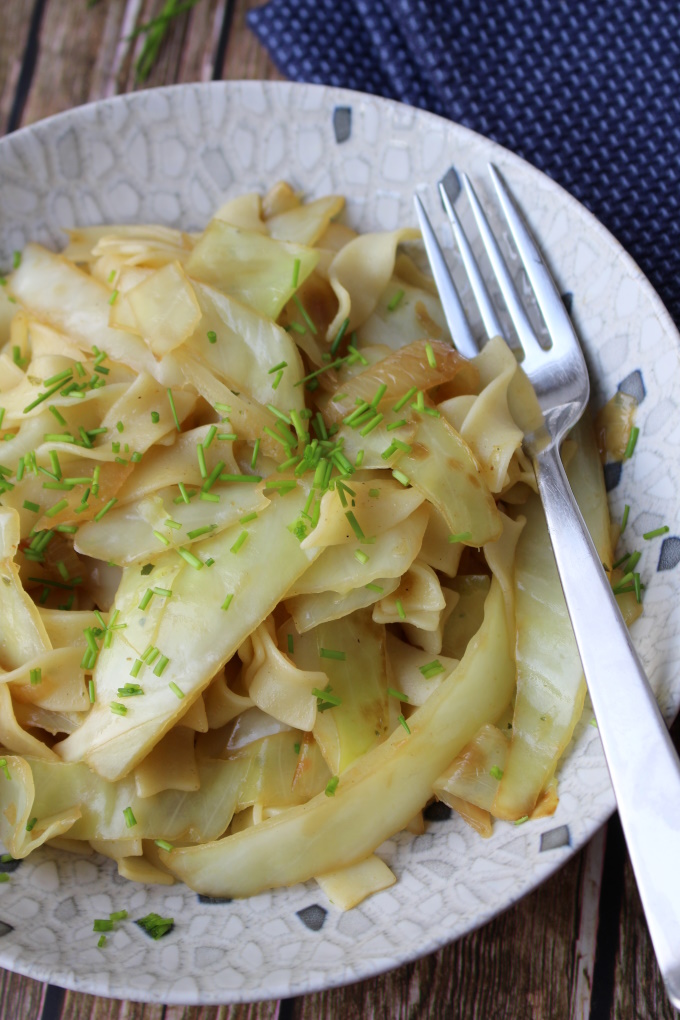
(171, 156)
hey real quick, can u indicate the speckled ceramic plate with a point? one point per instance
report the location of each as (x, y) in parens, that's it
(171, 156)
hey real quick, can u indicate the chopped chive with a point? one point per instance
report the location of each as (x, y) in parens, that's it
(462, 536)
(400, 610)
(657, 531)
(31, 825)
(431, 669)
(331, 786)
(256, 450)
(637, 586)
(210, 435)
(200, 453)
(632, 561)
(171, 400)
(161, 538)
(361, 556)
(5, 767)
(397, 694)
(431, 360)
(624, 519)
(164, 845)
(4, 877)
(36, 676)
(136, 666)
(632, 441)
(205, 530)
(296, 273)
(57, 415)
(118, 915)
(227, 602)
(114, 295)
(146, 598)
(372, 424)
(105, 509)
(57, 508)
(59, 377)
(396, 300)
(354, 524)
(401, 477)
(212, 336)
(210, 497)
(155, 925)
(183, 491)
(28, 505)
(297, 327)
(402, 722)
(160, 665)
(496, 772)
(130, 819)
(522, 820)
(103, 924)
(16, 259)
(389, 452)
(118, 709)
(338, 337)
(175, 689)
(146, 569)
(240, 478)
(291, 644)
(155, 417)
(305, 315)
(189, 558)
(375, 587)
(90, 691)
(331, 653)
(379, 394)
(239, 542)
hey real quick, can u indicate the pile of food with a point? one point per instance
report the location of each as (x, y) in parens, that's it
(274, 573)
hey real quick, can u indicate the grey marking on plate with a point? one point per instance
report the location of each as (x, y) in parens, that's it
(214, 899)
(634, 386)
(8, 866)
(568, 301)
(342, 123)
(554, 838)
(437, 812)
(669, 556)
(5, 928)
(451, 183)
(612, 475)
(312, 917)
(69, 155)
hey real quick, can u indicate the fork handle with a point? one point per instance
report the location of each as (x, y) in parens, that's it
(643, 765)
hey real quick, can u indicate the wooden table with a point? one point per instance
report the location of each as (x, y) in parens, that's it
(578, 947)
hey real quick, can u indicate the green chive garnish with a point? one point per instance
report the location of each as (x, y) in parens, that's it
(239, 542)
(395, 300)
(174, 688)
(522, 820)
(331, 653)
(130, 819)
(657, 531)
(397, 694)
(164, 845)
(31, 825)
(331, 786)
(227, 602)
(171, 399)
(160, 666)
(36, 676)
(462, 536)
(431, 360)
(338, 337)
(31, 506)
(161, 537)
(189, 558)
(496, 772)
(155, 417)
(114, 295)
(57, 508)
(205, 530)
(212, 336)
(400, 610)
(401, 477)
(105, 509)
(624, 519)
(375, 587)
(118, 709)
(431, 669)
(303, 312)
(632, 441)
(296, 273)
(103, 923)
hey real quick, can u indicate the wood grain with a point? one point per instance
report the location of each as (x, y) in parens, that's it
(13, 38)
(245, 56)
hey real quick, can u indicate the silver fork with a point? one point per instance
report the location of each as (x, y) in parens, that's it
(643, 765)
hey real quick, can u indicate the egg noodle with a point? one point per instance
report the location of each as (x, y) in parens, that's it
(274, 571)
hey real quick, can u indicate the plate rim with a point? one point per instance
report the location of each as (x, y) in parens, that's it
(333, 96)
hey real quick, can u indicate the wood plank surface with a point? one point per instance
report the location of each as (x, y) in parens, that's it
(578, 947)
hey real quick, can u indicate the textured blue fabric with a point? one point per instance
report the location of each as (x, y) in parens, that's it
(587, 90)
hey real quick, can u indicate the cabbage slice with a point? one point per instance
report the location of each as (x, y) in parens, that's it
(190, 628)
(330, 832)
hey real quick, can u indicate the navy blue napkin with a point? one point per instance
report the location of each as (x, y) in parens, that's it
(587, 90)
